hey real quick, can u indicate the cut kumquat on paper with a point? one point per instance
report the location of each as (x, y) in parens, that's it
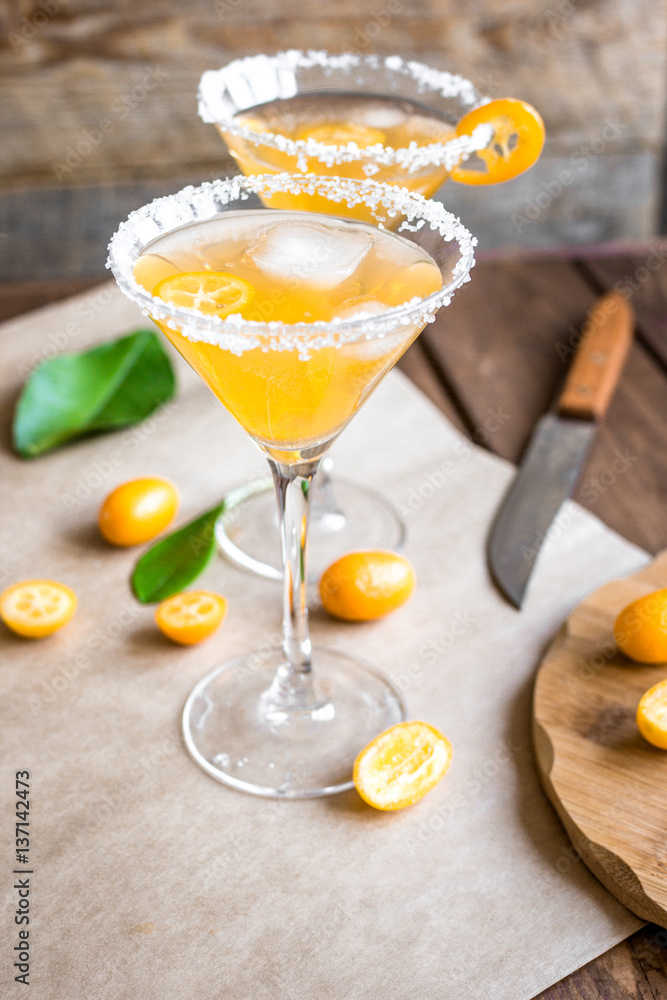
(37, 608)
(518, 137)
(652, 715)
(401, 765)
(192, 616)
(213, 293)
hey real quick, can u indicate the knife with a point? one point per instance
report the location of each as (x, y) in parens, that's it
(558, 446)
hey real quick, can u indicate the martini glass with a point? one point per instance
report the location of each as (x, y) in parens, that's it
(263, 106)
(345, 115)
(289, 722)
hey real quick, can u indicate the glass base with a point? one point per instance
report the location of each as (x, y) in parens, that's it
(344, 516)
(234, 730)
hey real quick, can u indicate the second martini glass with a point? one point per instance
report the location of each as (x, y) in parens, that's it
(289, 722)
(352, 116)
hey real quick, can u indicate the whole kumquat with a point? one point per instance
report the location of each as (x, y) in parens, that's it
(640, 630)
(652, 715)
(138, 510)
(368, 584)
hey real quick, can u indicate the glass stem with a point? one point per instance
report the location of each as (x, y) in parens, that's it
(326, 514)
(294, 687)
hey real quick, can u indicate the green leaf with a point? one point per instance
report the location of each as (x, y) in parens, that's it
(175, 561)
(111, 386)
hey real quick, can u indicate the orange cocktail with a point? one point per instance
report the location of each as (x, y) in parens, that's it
(363, 117)
(280, 267)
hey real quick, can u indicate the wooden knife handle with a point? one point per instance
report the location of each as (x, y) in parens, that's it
(597, 365)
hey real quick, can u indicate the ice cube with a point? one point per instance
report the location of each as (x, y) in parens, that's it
(423, 130)
(152, 268)
(379, 348)
(380, 114)
(360, 305)
(321, 256)
(419, 280)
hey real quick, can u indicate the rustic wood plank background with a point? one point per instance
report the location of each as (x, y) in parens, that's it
(102, 92)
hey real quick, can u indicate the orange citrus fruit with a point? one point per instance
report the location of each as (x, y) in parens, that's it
(401, 765)
(652, 715)
(368, 584)
(36, 608)
(640, 630)
(138, 510)
(192, 616)
(340, 133)
(213, 293)
(516, 143)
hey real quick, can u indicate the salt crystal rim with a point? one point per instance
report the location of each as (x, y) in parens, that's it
(202, 203)
(213, 97)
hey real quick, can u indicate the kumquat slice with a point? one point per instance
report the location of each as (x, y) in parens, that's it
(213, 293)
(518, 137)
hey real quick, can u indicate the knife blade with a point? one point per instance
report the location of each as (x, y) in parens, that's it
(558, 447)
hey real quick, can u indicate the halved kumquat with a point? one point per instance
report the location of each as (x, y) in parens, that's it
(401, 765)
(213, 293)
(37, 608)
(518, 137)
(191, 616)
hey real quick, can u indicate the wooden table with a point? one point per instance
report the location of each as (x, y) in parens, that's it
(492, 362)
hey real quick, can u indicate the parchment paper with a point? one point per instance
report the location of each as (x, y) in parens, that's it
(153, 880)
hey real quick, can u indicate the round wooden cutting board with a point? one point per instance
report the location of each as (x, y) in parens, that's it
(608, 785)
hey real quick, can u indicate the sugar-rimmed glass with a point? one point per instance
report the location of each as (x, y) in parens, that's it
(226, 94)
(289, 722)
(345, 515)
